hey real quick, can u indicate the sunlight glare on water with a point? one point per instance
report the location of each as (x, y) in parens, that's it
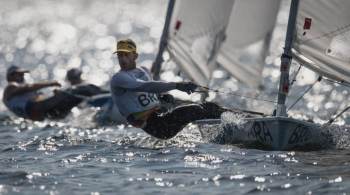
(75, 156)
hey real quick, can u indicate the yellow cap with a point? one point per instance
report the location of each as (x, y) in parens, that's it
(126, 45)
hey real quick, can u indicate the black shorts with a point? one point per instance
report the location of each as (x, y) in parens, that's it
(165, 125)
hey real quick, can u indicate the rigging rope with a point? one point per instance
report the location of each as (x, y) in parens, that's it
(231, 93)
(307, 90)
(346, 84)
(295, 76)
(338, 115)
(332, 119)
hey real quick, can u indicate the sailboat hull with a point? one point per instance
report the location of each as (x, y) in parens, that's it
(275, 133)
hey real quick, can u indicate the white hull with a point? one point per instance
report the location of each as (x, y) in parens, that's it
(276, 133)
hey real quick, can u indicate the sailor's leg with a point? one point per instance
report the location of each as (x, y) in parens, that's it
(57, 106)
(167, 125)
(61, 105)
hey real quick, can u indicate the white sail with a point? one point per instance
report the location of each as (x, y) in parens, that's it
(196, 31)
(250, 22)
(322, 39)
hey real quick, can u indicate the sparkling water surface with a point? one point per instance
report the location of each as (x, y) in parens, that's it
(55, 158)
(73, 156)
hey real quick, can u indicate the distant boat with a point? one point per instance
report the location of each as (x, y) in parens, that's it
(199, 34)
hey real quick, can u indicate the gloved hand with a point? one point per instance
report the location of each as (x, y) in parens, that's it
(187, 87)
(167, 98)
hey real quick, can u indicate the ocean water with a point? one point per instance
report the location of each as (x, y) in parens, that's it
(56, 158)
(74, 156)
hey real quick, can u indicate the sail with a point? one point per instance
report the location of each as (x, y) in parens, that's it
(251, 21)
(322, 39)
(197, 29)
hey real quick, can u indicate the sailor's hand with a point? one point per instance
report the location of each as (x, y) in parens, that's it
(167, 98)
(187, 87)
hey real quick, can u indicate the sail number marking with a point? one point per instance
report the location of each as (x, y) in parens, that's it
(300, 134)
(261, 132)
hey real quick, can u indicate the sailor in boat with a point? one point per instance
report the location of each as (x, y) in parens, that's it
(26, 101)
(79, 87)
(135, 94)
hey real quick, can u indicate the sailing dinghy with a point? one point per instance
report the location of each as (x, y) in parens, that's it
(316, 37)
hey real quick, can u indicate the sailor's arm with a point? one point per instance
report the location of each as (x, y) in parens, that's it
(18, 89)
(126, 82)
(97, 90)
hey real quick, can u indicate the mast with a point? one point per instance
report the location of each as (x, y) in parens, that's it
(286, 60)
(163, 42)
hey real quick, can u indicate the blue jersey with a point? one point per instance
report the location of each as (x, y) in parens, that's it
(134, 91)
(18, 104)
